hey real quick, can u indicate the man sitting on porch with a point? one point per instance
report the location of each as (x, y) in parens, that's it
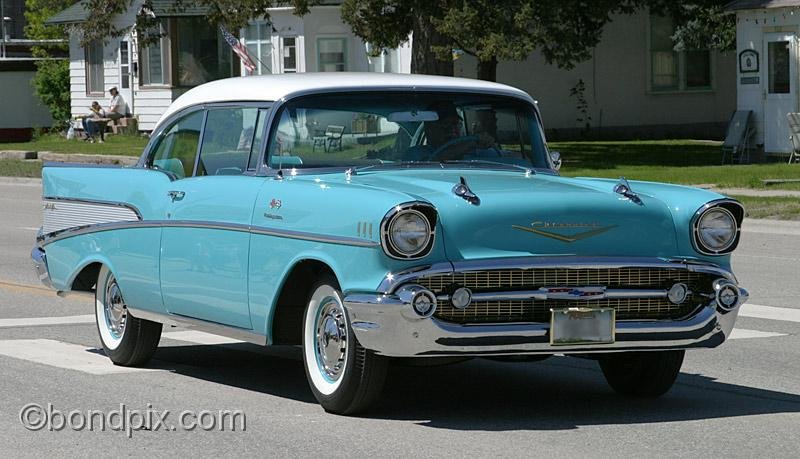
(116, 106)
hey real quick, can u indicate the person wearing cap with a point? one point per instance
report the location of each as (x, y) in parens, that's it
(116, 106)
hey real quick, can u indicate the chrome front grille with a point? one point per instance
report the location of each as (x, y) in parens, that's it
(499, 311)
(514, 279)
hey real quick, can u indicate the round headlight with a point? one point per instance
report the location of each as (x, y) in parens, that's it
(409, 232)
(716, 229)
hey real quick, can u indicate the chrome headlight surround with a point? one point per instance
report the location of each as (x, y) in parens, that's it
(422, 211)
(727, 208)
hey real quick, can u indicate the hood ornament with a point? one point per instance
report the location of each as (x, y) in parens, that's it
(624, 188)
(462, 190)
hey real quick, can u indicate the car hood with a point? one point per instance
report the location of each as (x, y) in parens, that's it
(540, 214)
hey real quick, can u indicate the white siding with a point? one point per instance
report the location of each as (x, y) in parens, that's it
(617, 84)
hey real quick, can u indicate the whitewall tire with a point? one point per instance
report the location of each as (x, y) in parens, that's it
(126, 340)
(344, 377)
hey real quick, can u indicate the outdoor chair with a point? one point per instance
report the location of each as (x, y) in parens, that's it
(738, 139)
(794, 131)
(331, 139)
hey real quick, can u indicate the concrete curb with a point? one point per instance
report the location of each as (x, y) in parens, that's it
(758, 193)
(49, 156)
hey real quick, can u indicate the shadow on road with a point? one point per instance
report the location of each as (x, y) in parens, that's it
(556, 394)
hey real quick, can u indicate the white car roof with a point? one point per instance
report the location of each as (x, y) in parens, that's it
(276, 87)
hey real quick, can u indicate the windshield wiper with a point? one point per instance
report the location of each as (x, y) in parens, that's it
(528, 170)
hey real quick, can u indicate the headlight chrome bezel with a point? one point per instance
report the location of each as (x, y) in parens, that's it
(729, 206)
(422, 209)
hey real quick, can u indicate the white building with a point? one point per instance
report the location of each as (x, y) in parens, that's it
(193, 52)
(636, 85)
(767, 48)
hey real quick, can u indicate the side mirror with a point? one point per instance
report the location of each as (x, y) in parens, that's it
(555, 157)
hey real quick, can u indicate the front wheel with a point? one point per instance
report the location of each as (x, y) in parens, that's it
(642, 374)
(126, 340)
(344, 376)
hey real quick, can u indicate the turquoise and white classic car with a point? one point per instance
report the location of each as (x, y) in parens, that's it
(366, 217)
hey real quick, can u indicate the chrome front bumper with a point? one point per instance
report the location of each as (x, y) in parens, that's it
(40, 266)
(387, 324)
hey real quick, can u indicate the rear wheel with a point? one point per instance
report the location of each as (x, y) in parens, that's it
(642, 374)
(344, 376)
(126, 340)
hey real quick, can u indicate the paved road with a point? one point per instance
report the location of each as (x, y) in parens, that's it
(739, 400)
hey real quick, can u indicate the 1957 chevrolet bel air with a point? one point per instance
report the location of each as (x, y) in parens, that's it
(371, 216)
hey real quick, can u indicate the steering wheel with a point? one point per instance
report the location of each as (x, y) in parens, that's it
(452, 143)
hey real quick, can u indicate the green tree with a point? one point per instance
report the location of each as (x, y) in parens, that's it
(233, 14)
(565, 31)
(700, 24)
(51, 82)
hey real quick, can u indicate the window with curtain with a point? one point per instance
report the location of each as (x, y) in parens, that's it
(671, 70)
(202, 53)
(332, 54)
(94, 67)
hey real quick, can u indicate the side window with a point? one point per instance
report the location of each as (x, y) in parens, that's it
(229, 141)
(258, 140)
(177, 148)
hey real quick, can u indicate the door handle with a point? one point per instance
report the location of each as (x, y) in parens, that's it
(176, 195)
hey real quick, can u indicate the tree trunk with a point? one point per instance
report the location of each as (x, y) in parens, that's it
(423, 60)
(487, 70)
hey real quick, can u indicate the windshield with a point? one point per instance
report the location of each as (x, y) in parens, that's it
(406, 129)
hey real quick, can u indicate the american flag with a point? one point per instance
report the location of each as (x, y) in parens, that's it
(239, 49)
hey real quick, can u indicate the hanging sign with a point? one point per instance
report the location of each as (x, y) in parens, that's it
(748, 61)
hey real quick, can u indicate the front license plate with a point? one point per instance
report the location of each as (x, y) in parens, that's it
(582, 326)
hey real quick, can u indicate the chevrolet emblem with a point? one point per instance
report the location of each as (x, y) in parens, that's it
(546, 229)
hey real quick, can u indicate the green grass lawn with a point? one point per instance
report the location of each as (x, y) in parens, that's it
(114, 145)
(19, 168)
(777, 208)
(688, 162)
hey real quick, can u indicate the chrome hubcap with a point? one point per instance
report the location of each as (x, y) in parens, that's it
(331, 339)
(115, 310)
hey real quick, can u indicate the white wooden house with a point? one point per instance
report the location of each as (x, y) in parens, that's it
(767, 34)
(636, 84)
(193, 52)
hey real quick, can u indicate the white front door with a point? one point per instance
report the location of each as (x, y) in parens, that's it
(126, 72)
(780, 89)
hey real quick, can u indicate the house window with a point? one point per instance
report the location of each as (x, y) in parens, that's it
(671, 70)
(94, 67)
(203, 55)
(154, 61)
(332, 54)
(258, 39)
(289, 48)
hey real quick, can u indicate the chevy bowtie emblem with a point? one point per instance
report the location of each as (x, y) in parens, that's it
(565, 232)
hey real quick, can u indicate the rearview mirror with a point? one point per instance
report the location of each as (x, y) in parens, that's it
(555, 157)
(412, 116)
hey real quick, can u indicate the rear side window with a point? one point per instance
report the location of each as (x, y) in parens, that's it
(229, 140)
(177, 148)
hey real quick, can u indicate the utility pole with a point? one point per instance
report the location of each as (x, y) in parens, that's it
(2, 30)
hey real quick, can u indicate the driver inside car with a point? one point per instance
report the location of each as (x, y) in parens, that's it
(444, 137)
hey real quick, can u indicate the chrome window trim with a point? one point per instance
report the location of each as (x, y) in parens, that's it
(693, 227)
(289, 234)
(393, 280)
(278, 106)
(163, 125)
